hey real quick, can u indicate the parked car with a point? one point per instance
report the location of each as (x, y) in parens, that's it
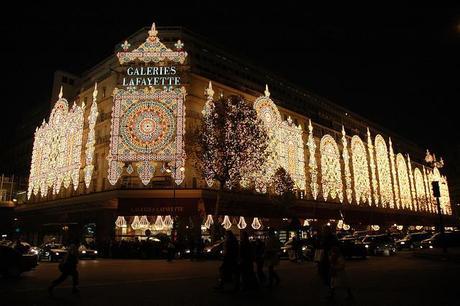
(305, 247)
(215, 250)
(52, 252)
(13, 262)
(412, 240)
(379, 244)
(86, 252)
(452, 239)
(352, 247)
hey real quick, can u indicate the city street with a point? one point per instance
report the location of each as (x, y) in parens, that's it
(397, 280)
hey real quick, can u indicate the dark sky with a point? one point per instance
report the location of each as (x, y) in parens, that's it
(396, 65)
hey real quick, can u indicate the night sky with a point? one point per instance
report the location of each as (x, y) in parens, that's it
(396, 65)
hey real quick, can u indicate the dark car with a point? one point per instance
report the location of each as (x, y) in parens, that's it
(379, 244)
(13, 262)
(352, 247)
(52, 252)
(214, 251)
(452, 239)
(412, 240)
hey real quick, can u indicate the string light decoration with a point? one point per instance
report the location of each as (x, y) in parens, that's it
(420, 189)
(56, 151)
(340, 224)
(346, 162)
(445, 197)
(286, 148)
(282, 182)
(412, 185)
(226, 223)
(168, 222)
(159, 224)
(384, 172)
(394, 175)
(91, 141)
(370, 148)
(418, 227)
(331, 174)
(241, 223)
(375, 227)
(427, 190)
(430, 178)
(314, 186)
(135, 225)
(256, 224)
(144, 222)
(121, 222)
(306, 222)
(403, 177)
(346, 227)
(399, 227)
(209, 222)
(361, 181)
(148, 125)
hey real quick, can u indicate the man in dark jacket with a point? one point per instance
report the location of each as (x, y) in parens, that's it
(68, 267)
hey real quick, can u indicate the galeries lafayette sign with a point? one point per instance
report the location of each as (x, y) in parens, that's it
(151, 76)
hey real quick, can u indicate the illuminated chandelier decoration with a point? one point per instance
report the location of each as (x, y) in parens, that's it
(159, 224)
(285, 142)
(227, 224)
(312, 162)
(362, 186)
(399, 227)
(135, 225)
(242, 223)
(412, 184)
(144, 222)
(346, 162)
(346, 227)
(56, 155)
(394, 175)
(121, 222)
(331, 174)
(91, 141)
(209, 222)
(375, 227)
(404, 185)
(168, 222)
(148, 124)
(384, 172)
(256, 224)
(370, 148)
(420, 189)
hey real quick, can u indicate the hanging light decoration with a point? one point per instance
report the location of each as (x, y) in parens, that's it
(346, 227)
(136, 223)
(256, 224)
(227, 223)
(418, 227)
(159, 224)
(399, 227)
(375, 227)
(241, 223)
(120, 222)
(340, 224)
(306, 222)
(168, 222)
(144, 222)
(209, 221)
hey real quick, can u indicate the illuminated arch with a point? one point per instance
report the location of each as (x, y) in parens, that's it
(420, 189)
(331, 174)
(384, 172)
(361, 180)
(404, 185)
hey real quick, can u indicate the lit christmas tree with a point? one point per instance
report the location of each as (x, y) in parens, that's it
(282, 182)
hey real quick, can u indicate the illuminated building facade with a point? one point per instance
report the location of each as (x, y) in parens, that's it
(126, 157)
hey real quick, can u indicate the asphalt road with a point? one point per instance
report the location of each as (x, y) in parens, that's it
(396, 280)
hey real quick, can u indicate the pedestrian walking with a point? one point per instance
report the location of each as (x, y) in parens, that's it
(328, 241)
(339, 277)
(68, 267)
(272, 249)
(248, 276)
(170, 250)
(228, 271)
(259, 258)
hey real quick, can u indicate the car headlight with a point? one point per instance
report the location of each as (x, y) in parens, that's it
(95, 252)
(304, 248)
(83, 252)
(57, 253)
(366, 246)
(208, 250)
(284, 250)
(431, 246)
(187, 251)
(47, 254)
(402, 242)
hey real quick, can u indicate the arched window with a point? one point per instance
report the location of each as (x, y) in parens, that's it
(361, 180)
(331, 174)
(404, 185)
(383, 171)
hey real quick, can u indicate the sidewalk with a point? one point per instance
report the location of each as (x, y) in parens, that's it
(453, 254)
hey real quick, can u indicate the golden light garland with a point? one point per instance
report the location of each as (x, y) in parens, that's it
(227, 224)
(346, 162)
(91, 141)
(420, 189)
(361, 180)
(370, 148)
(394, 175)
(242, 223)
(411, 183)
(383, 171)
(331, 174)
(403, 179)
(312, 162)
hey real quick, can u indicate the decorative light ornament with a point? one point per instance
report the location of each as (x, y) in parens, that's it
(241, 223)
(412, 184)
(370, 148)
(375, 227)
(346, 162)
(418, 227)
(312, 162)
(168, 222)
(121, 222)
(384, 172)
(346, 227)
(340, 224)
(420, 189)
(256, 224)
(159, 224)
(404, 185)
(91, 141)
(209, 221)
(135, 225)
(363, 192)
(306, 222)
(227, 223)
(331, 174)
(399, 227)
(394, 173)
(144, 222)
